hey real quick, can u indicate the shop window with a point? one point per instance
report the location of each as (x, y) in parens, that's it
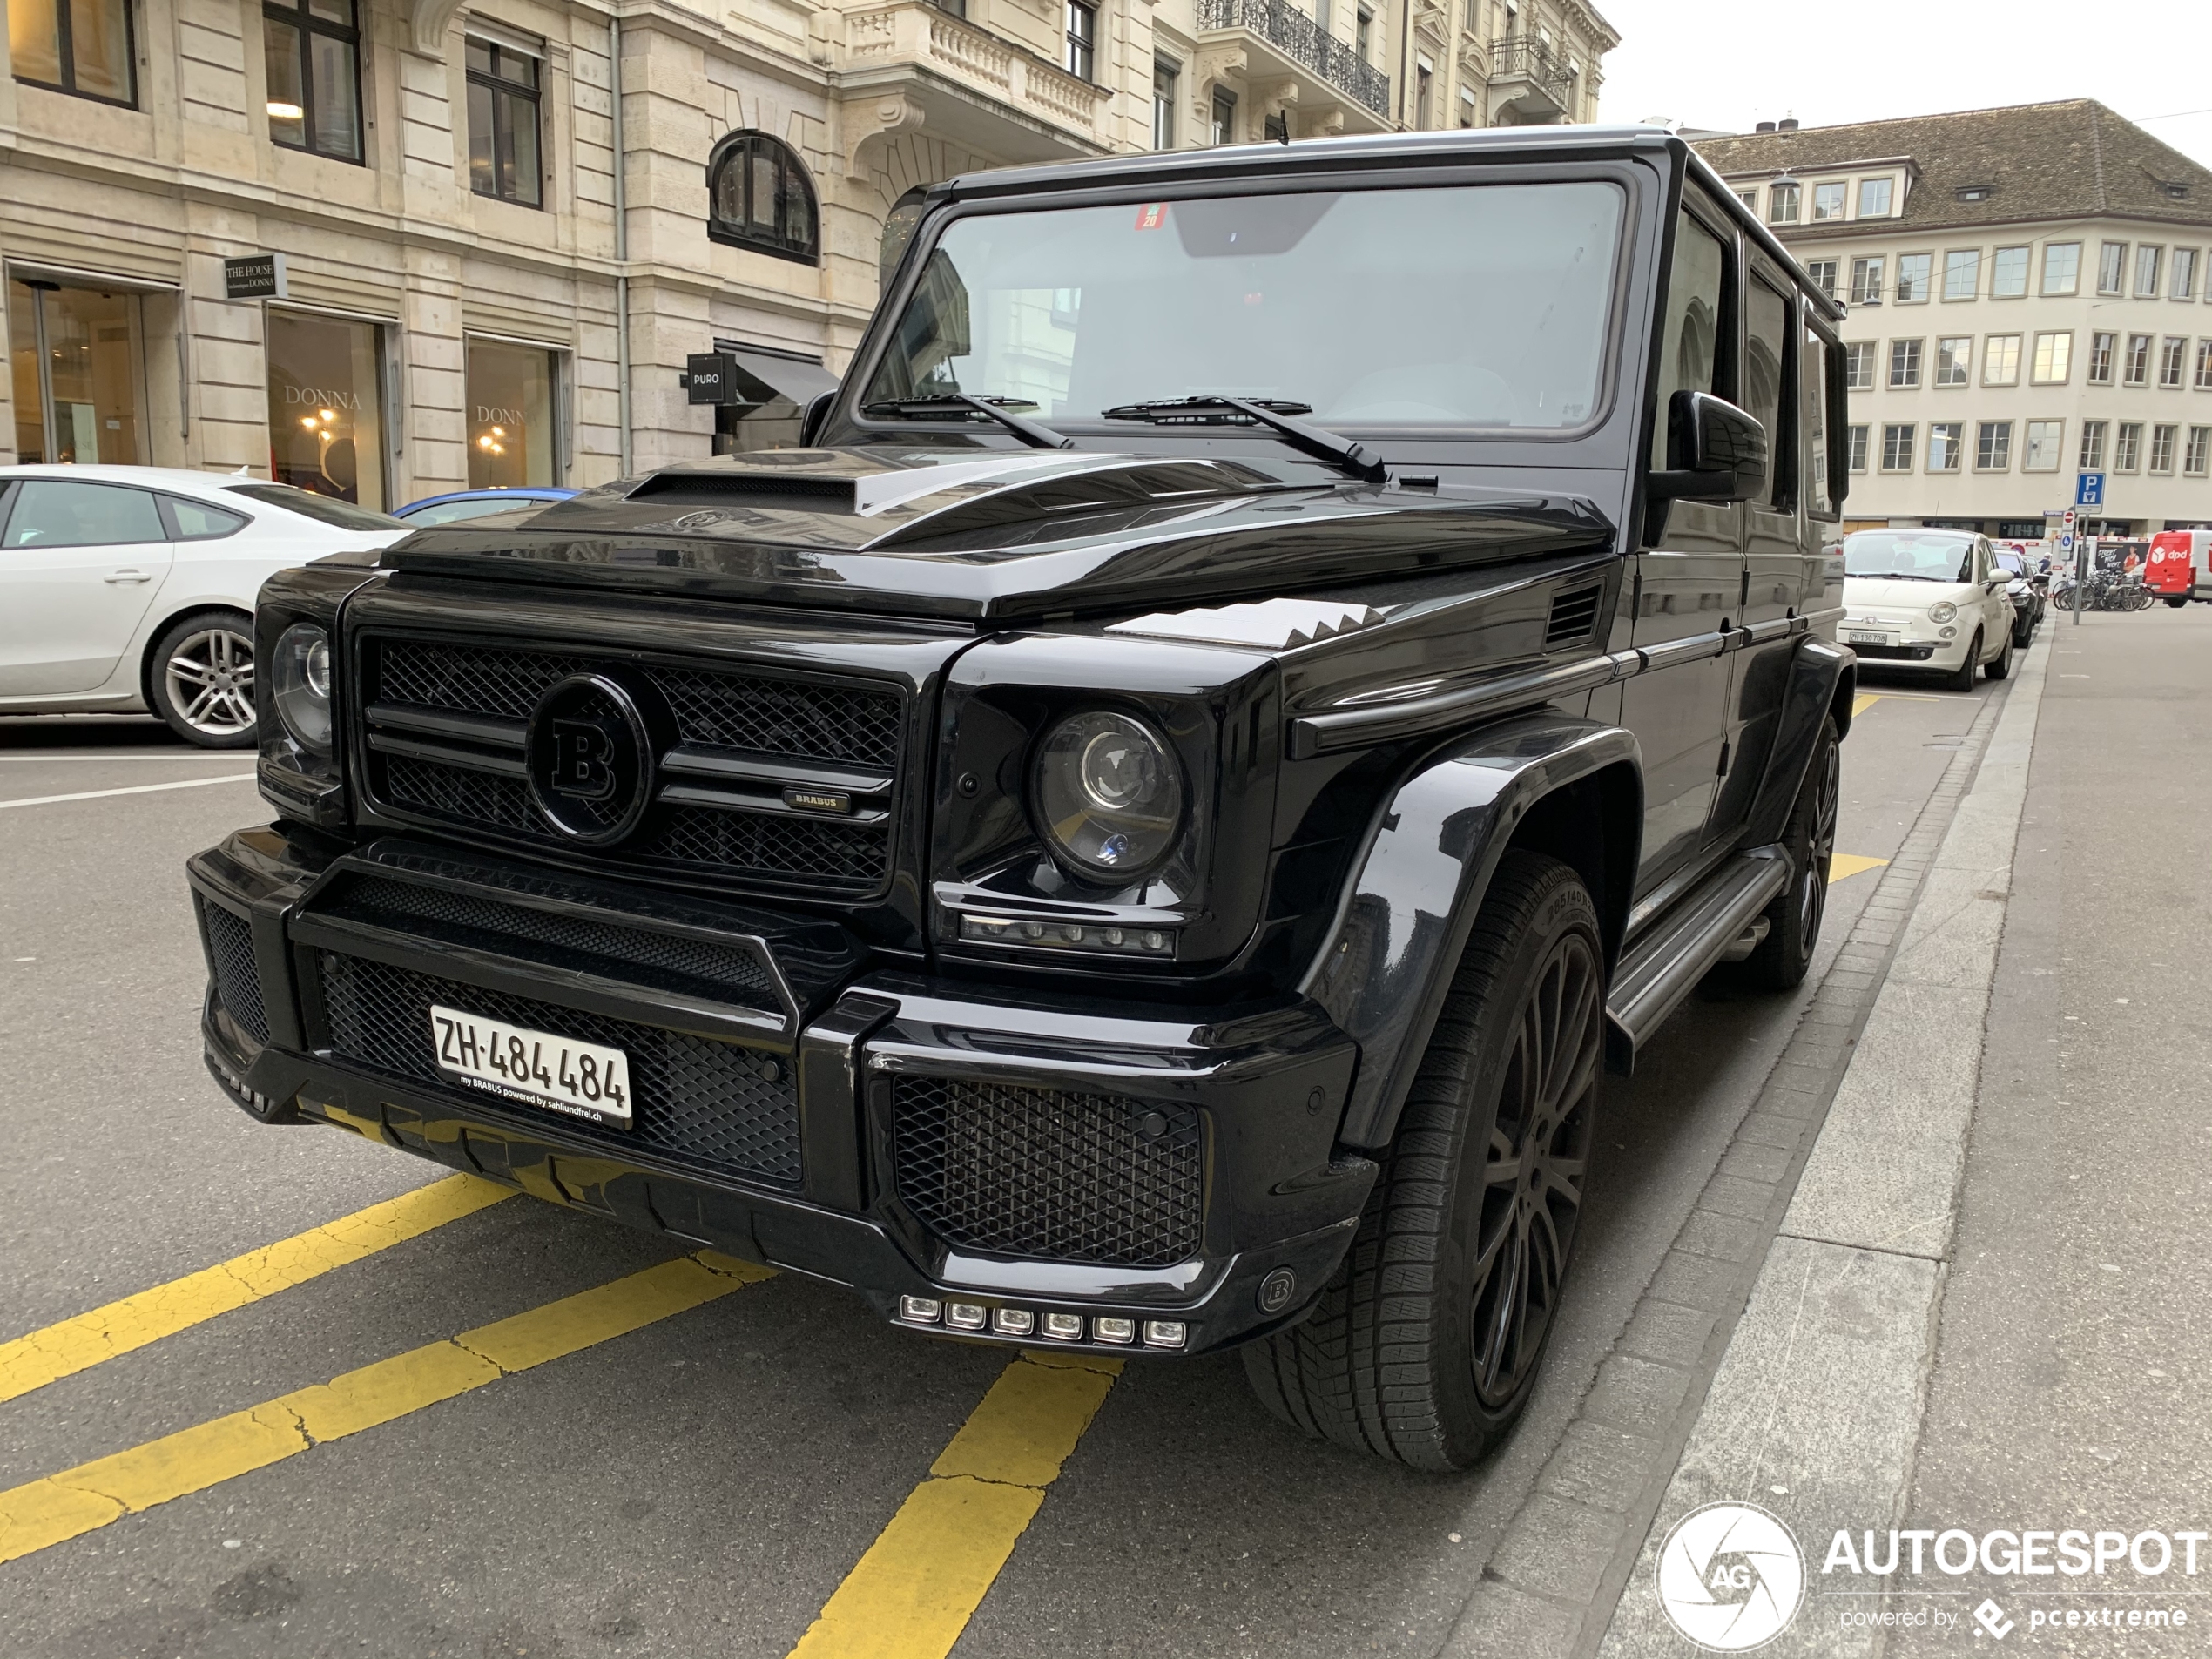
(759, 197)
(75, 360)
(311, 48)
(514, 437)
(327, 406)
(83, 47)
(502, 123)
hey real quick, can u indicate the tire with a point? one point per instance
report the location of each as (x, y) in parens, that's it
(200, 678)
(1424, 1345)
(1793, 920)
(1961, 678)
(2175, 602)
(2002, 665)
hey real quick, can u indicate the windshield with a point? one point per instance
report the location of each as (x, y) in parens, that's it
(324, 509)
(2012, 562)
(1908, 555)
(1480, 306)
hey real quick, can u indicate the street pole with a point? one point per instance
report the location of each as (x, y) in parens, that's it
(2081, 564)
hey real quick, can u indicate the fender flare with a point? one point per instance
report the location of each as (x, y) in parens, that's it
(1406, 913)
(1823, 680)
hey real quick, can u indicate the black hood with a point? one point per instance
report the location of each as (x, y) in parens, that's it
(994, 536)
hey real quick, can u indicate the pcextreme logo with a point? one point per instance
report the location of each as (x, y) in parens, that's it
(1730, 1577)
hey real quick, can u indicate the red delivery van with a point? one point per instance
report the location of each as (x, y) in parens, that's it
(2180, 566)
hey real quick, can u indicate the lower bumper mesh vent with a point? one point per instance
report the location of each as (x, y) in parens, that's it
(230, 960)
(1048, 1175)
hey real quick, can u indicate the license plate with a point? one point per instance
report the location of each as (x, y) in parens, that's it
(534, 1068)
(1859, 636)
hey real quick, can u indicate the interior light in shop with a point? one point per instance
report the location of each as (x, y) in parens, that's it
(286, 111)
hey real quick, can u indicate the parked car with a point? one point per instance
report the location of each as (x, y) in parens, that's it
(2022, 589)
(1928, 598)
(130, 588)
(459, 506)
(1089, 860)
(2180, 566)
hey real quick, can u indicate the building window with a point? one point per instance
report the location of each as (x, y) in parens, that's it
(1424, 87)
(759, 197)
(2054, 358)
(2127, 445)
(1855, 449)
(1962, 274)
(2138, 359)
(2171, 356)
(1822, 273)
(1896, 447)
(1993, 445)
(2100, 350)
(1363, 34)
(1082, 40)
(2008, 274)
(1905, 362)
(2111, 267)
(2162, 448)
(1782, 205)
(2204, 365)
(1166, 77)
(502, 123)
(1874, 198)
(1944, 445)
(1912, 272)
(78, 359)
(326, 405)
(312, 55)
(2183, 283)
(2001, 360)
(1750, 198)
(514, 441)
(2093, 445)
(1953, 359)
(1858, 366)
(1275, 129)
(1866, 281)
(1828, 201)
(2199, 451)
(2062, 267)
(1225, 116)
(2146, 261)
(1468, 116)
(83, 47)
(2046, 442)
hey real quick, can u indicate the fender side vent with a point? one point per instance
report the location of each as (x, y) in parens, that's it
(1574, 616)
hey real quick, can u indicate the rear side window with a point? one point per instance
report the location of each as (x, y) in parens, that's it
(50, 512)
(1690, 342)
(195, 521)
(1813, 410)
(1767, 387)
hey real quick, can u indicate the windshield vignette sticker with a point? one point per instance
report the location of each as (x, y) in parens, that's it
(1151, 216)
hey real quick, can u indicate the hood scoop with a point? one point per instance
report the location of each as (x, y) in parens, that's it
(785, 492)
(1272, 624)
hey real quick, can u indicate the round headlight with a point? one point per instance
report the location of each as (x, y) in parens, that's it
(1942, 611)
(301, 685)
(1108, 795)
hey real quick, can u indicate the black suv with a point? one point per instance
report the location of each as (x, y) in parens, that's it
(1278, 668)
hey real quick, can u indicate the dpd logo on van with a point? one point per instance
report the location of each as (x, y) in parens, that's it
(591, 759)
(1730, 1577)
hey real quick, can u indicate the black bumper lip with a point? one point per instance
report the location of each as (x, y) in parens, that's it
(1275, 1194)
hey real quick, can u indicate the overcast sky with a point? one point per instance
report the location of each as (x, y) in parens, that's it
(1728, 63)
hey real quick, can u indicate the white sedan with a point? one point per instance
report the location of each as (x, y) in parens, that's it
(1927, 598)
(126, 588)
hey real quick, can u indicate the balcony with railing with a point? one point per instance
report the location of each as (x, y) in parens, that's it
(1282, 32)
(1529, 80)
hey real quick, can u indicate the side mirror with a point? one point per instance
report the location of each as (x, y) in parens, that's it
(811, 418)
(1714, 452)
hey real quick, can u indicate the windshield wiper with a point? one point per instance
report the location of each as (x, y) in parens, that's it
(1893, 576)
(1035, 433)
(1274, 413)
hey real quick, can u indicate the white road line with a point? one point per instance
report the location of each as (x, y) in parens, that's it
(135, 789)
(177, 757)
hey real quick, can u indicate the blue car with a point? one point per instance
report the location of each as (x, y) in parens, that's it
(462, 505)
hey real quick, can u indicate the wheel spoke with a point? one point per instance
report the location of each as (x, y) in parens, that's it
(1504, 1167)
(201, 702)
(1502, 1314)
(188, 669)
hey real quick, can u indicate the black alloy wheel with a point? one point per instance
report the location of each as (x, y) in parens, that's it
(1793, 920)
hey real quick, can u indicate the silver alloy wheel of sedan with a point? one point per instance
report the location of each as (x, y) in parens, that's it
(209, 678)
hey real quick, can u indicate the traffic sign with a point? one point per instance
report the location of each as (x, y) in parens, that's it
(2066, 542)
(2089, 490)
(2066, 520)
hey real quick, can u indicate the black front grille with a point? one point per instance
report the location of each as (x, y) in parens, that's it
(1048, 1175)
(1897, 653)
(709, 1103)
(230, 958)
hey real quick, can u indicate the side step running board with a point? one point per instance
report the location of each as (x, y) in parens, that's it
(1659, 968)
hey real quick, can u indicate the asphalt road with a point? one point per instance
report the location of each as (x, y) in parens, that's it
(703, 1485)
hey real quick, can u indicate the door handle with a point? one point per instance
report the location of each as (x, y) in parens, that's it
(126, 577)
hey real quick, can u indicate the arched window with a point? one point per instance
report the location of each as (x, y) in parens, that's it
(759, 196)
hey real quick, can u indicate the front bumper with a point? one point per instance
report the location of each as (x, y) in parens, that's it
(948, 1149)
(1913, 641)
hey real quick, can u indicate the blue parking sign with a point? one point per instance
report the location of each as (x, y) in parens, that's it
(2089, 490)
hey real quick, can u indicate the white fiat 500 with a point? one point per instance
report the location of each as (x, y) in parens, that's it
(132, 588)
(1927, 598)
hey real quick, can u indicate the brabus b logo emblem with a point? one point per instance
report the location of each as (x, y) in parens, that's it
(591, 759)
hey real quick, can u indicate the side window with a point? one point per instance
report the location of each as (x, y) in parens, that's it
(54, 513)
(1812, 412)
(195, 521)
(1690, 342)
(1769, 388)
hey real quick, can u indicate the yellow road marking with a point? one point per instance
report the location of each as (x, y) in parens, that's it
(92, 1495)
(80, 1343)
(921, 1581)
(1841, 865)
(1863, 702)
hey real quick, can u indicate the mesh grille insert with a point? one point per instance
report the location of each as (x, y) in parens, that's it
(1047, 1174)
(230, 958)
(702, 1100)
(1573, 615)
